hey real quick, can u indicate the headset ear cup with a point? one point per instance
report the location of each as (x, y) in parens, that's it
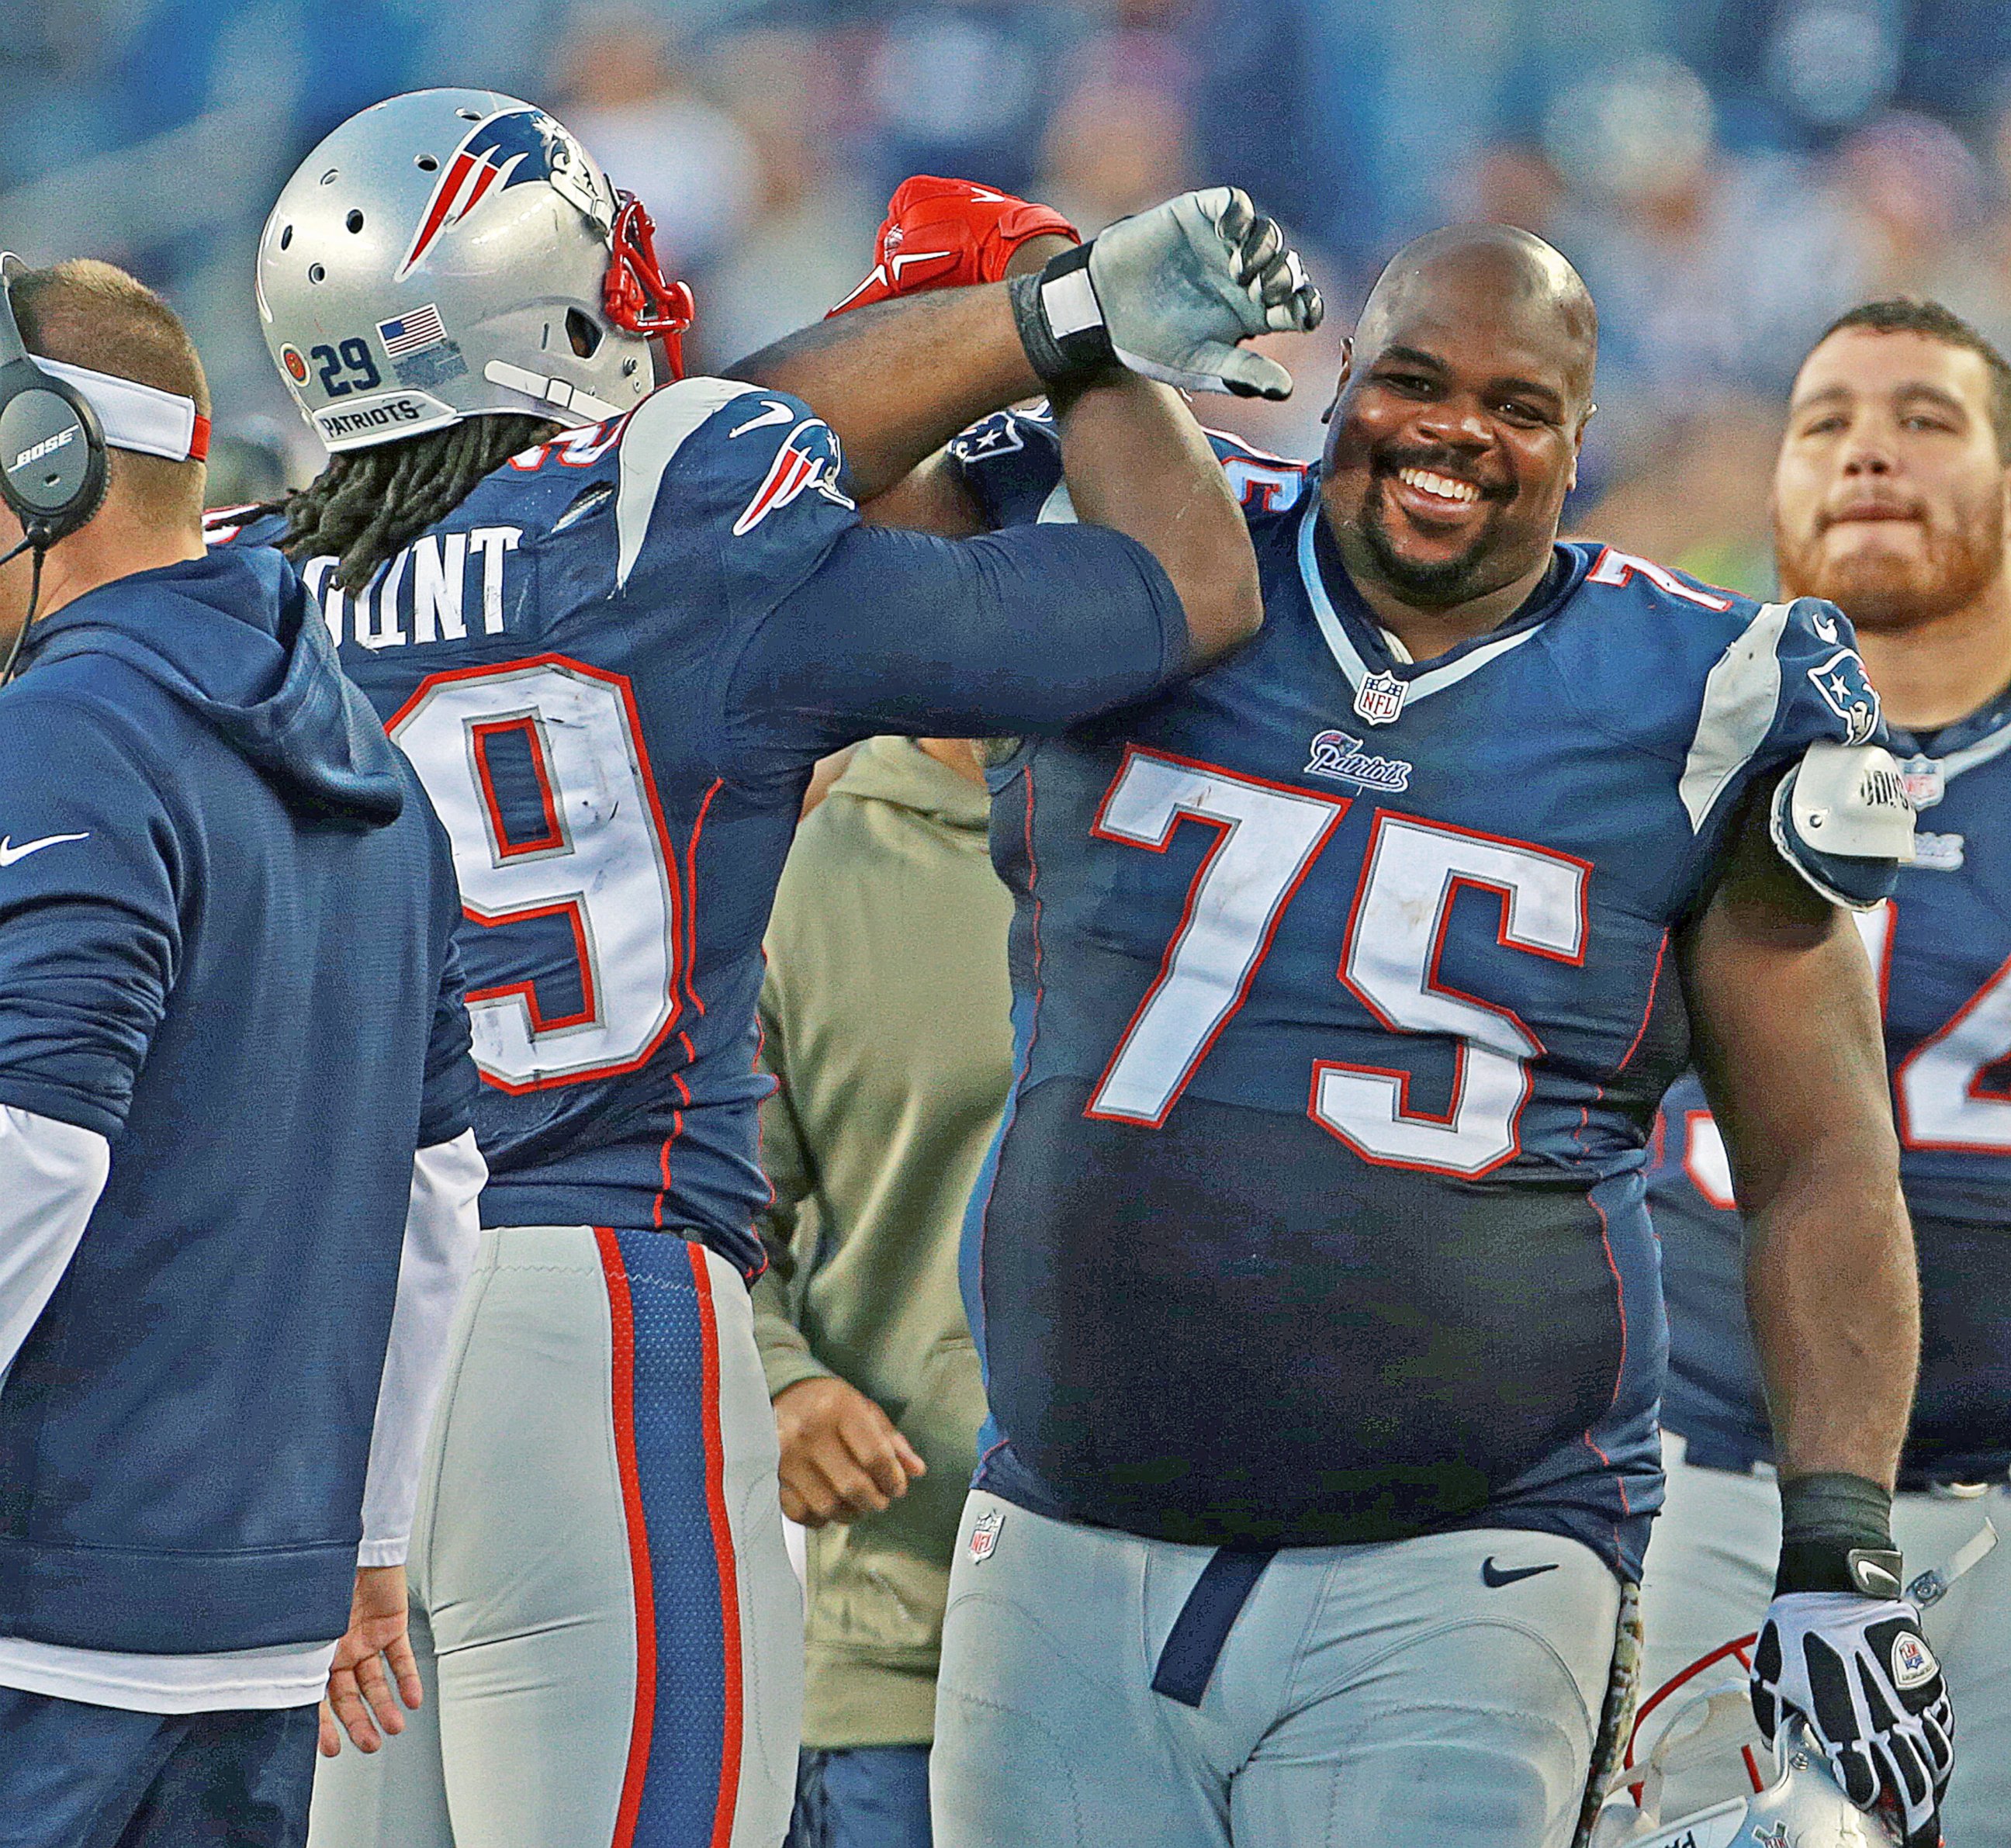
(54, 468)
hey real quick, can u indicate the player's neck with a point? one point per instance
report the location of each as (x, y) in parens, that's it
(110, 547)
(1930, 674)
(1427, 633)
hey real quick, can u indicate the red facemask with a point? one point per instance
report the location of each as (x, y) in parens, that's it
(636, 295)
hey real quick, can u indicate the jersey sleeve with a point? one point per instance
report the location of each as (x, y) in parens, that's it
(1011, 462)
(826, 631)
(90, 871)
(1791, 679)
(1027, 631)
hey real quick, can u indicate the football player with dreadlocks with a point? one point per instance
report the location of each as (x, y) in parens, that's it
(613, 626)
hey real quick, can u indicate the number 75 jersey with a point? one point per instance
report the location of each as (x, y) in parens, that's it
(1345, 995)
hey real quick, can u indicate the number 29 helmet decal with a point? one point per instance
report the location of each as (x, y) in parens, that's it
(451, 253)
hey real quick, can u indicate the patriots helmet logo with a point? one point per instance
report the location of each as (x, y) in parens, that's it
(511, 147)
(808, 462)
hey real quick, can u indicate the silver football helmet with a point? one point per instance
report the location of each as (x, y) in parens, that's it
(1711, 1739)
(451, 253)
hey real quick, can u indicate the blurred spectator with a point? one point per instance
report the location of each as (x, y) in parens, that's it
(691, 163)
(1114, 145)
(1711, 272)
(1910, 188)
(1975, 279)
(1697, 496)
(1513, 182)
(811, 236)
(962, 88)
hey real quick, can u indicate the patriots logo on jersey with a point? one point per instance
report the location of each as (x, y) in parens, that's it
(511, 147)
(998, 435)
(808, 463)
(1848, 693)
(1337, 755)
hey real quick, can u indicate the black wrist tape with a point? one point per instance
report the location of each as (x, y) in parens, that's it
(1836, 1535)
(1061, 321)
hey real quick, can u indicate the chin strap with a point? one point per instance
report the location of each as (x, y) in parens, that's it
(34, 597)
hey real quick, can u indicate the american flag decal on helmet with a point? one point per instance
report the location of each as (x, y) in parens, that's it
(506, 149)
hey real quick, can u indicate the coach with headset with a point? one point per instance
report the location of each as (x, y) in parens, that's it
(236, 1183)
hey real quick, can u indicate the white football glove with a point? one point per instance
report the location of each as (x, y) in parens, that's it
(1168, 293)
(1859, 1672)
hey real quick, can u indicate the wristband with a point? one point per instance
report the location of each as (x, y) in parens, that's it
(1836, 1535)
(1060, 321)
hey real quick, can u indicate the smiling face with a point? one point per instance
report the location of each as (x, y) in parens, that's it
(1455, 436)
(1889, 492)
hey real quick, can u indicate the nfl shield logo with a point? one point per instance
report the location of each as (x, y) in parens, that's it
(1379, 699)
(1926, 782)
(984, 1536)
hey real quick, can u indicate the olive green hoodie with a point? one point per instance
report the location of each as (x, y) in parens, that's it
(886, 1015)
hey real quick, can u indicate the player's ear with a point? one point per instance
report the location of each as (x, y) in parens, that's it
(1340, 384)
(1577, 446)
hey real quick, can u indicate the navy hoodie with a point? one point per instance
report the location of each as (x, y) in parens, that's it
(226, 919)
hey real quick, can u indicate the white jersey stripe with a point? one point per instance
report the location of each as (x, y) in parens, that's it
(1741, 697)
(655, 432)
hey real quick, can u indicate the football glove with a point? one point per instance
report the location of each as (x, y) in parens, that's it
(1168, 293)
(1857, 1669)
(949, 234)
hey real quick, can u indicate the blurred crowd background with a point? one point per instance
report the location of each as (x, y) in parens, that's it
(1727, 173)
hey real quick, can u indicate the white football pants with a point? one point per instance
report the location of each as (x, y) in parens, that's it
(1365, 1695)
(607, 1625)
(1710, 1573)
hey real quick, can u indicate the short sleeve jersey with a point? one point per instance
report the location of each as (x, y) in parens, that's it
(1345, 999)
(613, 666)
(1941, 948)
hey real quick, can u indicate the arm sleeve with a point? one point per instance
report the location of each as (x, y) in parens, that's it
(785, 1352)
(90, 925)
(1792, 679)
(441, 1226)
(828, 631)
(1011, 462)
(1028, 631)
(50, 1175)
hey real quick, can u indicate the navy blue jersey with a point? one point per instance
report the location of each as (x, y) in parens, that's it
(1942, 950)
(614, 665)
(1345, 999)
(227, 923)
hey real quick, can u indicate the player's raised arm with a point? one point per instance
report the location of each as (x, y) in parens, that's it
(1167, 295)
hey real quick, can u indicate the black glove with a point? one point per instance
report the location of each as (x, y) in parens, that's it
(1842, 1648)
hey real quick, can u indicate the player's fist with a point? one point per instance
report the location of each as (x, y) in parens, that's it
(1171, 293)
(842, 1456)
(949, 234)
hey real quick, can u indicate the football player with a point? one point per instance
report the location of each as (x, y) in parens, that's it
(614, 627)
(1890, 495)
(1313, 1278)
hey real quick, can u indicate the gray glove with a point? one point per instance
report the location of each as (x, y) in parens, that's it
(1168, 293)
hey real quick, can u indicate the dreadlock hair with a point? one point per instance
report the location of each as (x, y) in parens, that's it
(368, 504)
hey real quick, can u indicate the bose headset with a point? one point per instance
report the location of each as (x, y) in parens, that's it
(52, 454)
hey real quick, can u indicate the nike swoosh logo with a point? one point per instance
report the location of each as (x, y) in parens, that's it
(1495, 1576)
(9, 853)
(774, 413)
